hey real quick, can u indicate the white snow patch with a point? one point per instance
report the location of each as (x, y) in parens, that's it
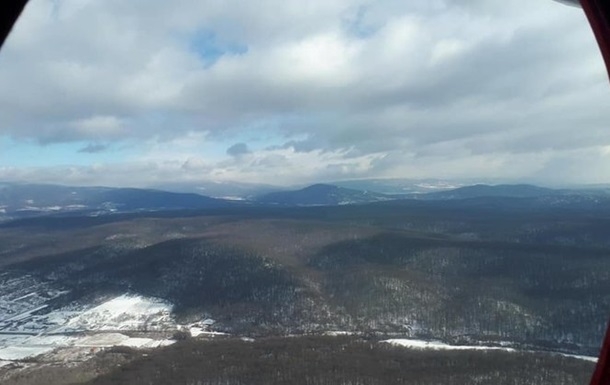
(336, 333)
(25, 314)
(106, 340)
(437, 345)
(197, 331)
(28, 334)
(231, 198)
(126, 313)
(137, 342)
(12, 339)
(584, 358)
(102, 340)
(59, 317)
(146, 343)
(25, 296)
(51, 341)
(214, 334)
(74, 207)
(13, 353)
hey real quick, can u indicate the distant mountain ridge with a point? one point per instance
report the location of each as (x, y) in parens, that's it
(401, 186)
(219, 189)
(322, 195)
(27, 200)
(484, 190)
(327, 195)
(18, 200)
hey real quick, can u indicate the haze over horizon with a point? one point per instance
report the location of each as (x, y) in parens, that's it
(286, 93)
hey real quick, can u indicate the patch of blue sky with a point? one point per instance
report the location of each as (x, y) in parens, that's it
(356, 25)
(267, 133)
(210, 47)
(19, 153)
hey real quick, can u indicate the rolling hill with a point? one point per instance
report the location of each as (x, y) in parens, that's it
(23, 200)
(483, 190)
(321, 195)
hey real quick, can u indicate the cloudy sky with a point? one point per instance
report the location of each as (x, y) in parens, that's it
(138, 92)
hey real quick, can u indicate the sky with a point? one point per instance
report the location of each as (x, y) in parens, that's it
(284, 92)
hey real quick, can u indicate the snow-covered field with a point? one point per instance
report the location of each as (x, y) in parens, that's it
(30, 327)
(14, 353)
(126, 313)
(102, 340)
(437, 345)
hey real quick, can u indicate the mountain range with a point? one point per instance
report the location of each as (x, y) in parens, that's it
(322, 195)
(27, 200)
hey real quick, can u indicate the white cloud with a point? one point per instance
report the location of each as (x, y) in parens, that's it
(103, 126)
(369, 88)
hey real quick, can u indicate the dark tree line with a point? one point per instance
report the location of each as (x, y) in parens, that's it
(326, 361)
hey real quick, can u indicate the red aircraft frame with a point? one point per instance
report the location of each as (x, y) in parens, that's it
(598, 13)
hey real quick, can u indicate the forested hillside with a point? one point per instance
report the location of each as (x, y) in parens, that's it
(531, 278)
